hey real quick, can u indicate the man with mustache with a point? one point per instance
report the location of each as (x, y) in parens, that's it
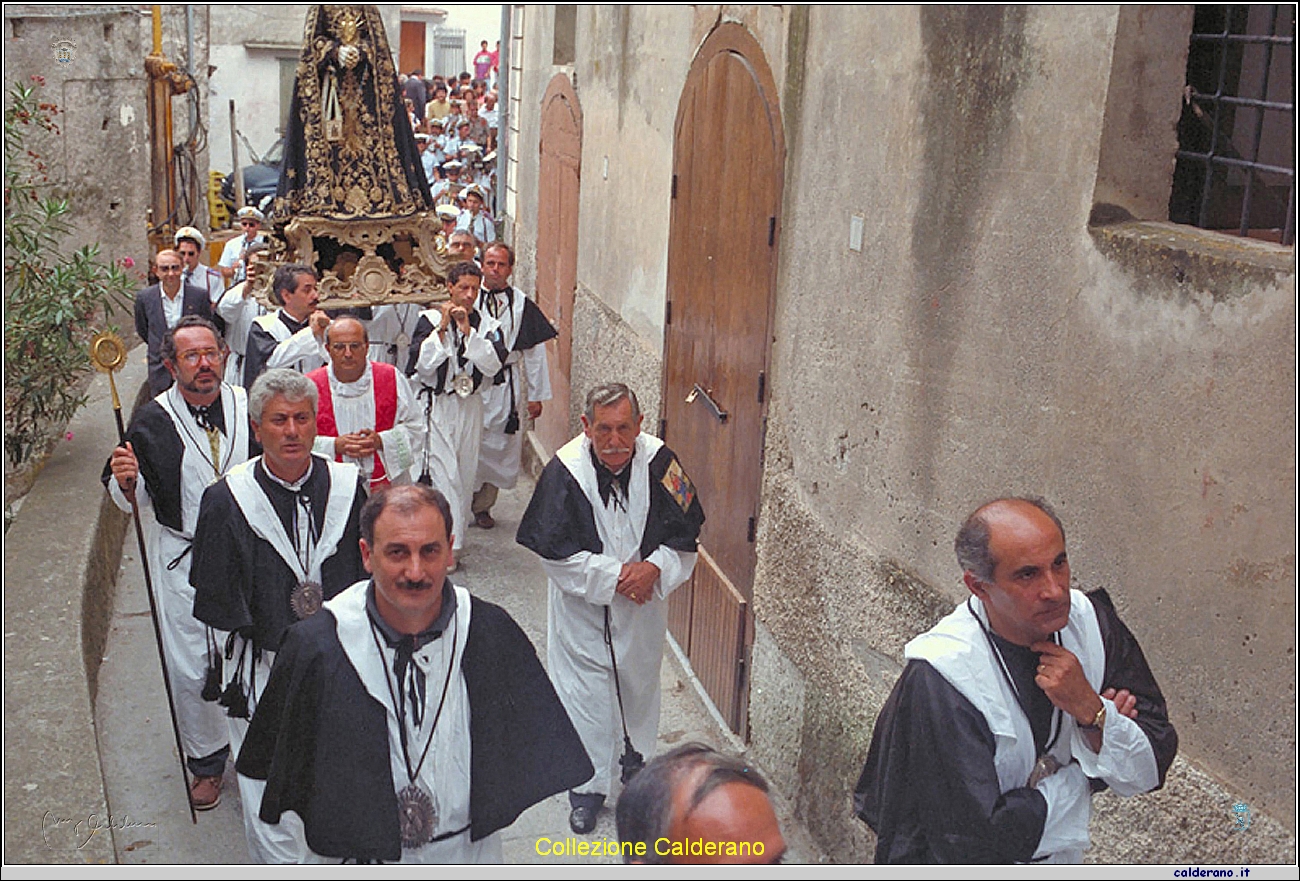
(275, 538)
(1012, 709)
(409, 722)
(293, 336)
(615, 520)
(177, 444)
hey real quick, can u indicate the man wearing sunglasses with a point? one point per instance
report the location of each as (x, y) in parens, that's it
(233, 262)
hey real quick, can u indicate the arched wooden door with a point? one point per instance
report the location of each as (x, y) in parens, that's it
(728, 161)
(557, 246)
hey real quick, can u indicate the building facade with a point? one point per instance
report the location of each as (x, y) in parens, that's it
(869, 267)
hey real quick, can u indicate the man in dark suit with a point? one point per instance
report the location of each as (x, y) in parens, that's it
(158, 308)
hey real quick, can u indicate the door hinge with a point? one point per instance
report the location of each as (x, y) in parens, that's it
(663, 429)
(750, 533)
(771, 231)
(668, 312)
(674, 186)
(762, 385)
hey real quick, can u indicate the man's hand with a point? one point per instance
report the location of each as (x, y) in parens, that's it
(446, 316)
(534, 409)
(637, 581)
(1060, 676)
(358, 444)
(126, 469)
(319, 323)
(1125, 703)
(460, 315)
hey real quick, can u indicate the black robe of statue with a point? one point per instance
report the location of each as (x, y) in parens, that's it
(559, 521)
(240, 582)
(929, 788)
(320, 740)
(354, 156)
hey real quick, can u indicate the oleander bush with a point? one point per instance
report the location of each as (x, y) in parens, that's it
(54, 300)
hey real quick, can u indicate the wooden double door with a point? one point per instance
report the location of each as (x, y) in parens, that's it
(728, 159)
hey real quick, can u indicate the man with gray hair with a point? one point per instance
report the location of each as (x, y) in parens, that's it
(615, 520)
(275, 538)
(1012, 709)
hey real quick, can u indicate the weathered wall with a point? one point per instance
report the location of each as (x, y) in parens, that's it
(101, 160)
(982, 342)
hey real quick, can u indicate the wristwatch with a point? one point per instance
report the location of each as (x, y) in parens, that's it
(1098, 721)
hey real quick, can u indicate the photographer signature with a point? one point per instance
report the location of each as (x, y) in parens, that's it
(83, 830)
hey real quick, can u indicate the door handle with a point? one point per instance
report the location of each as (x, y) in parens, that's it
(720, 413)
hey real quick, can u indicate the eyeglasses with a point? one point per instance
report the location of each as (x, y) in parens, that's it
(248, 223)
(175, 268)
(347, 347)
(194, 356)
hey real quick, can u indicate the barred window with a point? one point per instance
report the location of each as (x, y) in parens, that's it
(1235, 171)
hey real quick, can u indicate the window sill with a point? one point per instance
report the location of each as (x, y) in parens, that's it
(1223, 266)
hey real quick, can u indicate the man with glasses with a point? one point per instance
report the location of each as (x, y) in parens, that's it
(189, 244)
(367, 413)
(233, 260)
(177, 444)
(159, 307)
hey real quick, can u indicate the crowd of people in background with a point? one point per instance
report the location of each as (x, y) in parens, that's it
(455, 121)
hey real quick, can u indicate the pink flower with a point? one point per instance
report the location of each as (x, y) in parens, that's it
(128, 263)
(68, 436)
(38, 79)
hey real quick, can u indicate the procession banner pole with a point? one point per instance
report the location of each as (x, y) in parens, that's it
(108, 353)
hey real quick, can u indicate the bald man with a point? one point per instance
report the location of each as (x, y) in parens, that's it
(367, 415)
(1012, 709)
(159, 307)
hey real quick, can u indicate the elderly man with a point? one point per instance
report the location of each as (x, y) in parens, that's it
(433, 725)
(615, 520)
(177, 444)
(697, 805)
(366, 413)
(190, 244)
(159, 307)
(456, 348)
(233, 263)
(276, 537)
(524, 378)
(1011, 709)
(239, 308)
(293, 336)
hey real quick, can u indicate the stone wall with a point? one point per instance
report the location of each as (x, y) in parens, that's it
(985, 340)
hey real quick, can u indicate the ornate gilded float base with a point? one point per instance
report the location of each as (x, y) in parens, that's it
(369, 261)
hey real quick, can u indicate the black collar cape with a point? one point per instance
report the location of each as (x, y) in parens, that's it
(559, 521)
(240, 581)
(320, 740)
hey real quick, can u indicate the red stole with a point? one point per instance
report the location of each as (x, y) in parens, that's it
(383, 387)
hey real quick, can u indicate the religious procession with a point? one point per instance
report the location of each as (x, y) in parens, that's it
(456, 540)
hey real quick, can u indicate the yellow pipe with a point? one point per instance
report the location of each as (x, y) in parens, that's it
(157, 30)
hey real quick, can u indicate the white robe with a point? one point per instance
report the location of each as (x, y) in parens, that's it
(500, 453)
(283, 842)
(354, 409)
(202, 723)
(579, 589)
(445, 773)
(300, 351)
(454, 425)
(239, 313)
(391, 330)
(957, 648)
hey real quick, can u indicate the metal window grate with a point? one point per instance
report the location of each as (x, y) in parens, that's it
(1235, 170)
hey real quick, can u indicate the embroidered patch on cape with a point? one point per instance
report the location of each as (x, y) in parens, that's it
(679, 486)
